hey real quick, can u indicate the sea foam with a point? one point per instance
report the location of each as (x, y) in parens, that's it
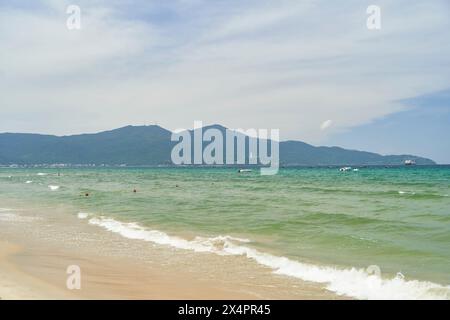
(83, 215)
(407, 192)
(54, 188)
(352, 282)
(8, 215)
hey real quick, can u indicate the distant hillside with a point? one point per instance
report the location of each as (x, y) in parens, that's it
(151, 145)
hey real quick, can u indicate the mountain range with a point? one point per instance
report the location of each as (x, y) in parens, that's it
(152, 145)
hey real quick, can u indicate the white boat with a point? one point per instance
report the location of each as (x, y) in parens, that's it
(345, 169)
(244, 170)
(409, 162)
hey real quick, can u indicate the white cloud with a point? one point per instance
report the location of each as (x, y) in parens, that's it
(279, 64)
(326, 124)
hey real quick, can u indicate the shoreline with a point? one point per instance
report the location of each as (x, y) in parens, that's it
(120, 262)
(36, 254)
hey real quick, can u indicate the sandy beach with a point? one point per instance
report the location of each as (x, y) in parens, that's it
(45, 278)
(35, 255)
(15, 284)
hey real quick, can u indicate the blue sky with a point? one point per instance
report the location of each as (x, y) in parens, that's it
(424, 129)
(309, 68)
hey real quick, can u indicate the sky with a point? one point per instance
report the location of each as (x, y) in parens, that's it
(311, 69)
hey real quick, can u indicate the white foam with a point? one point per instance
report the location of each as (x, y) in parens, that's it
(83, 215)
(357, 283)
(407, 192)
(42, 174)
(54, 188)
(136, 232)
(7, 215)
(28, 182)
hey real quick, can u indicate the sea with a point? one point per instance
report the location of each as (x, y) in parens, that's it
(365, 233)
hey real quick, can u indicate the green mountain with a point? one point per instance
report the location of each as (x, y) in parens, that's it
(151, 145)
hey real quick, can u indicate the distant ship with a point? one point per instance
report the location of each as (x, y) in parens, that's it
(409, 162)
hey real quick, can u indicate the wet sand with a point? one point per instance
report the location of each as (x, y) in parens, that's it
(35, 255)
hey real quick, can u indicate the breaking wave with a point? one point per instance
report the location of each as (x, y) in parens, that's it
(352, 282)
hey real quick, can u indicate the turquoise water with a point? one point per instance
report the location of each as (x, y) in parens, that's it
(395, 218)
